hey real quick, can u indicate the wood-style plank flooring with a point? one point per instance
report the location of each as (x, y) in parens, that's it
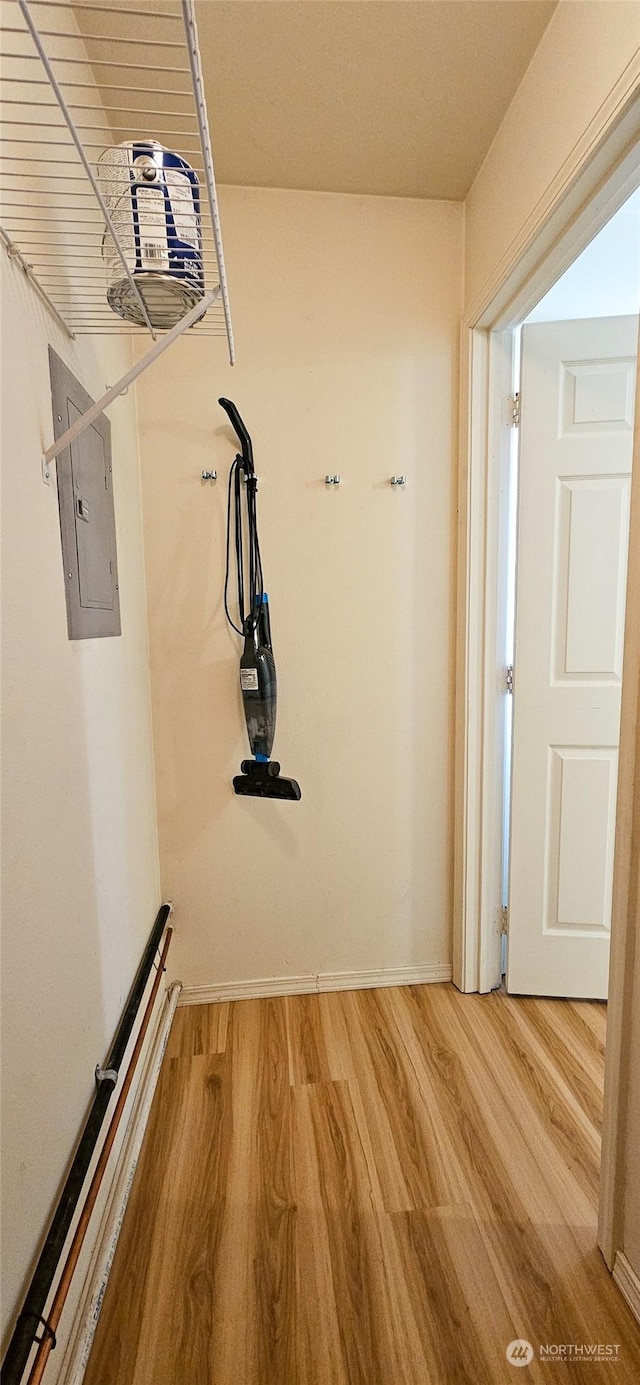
(368, 1188)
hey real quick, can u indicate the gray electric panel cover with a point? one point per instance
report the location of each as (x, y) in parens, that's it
(87, 520)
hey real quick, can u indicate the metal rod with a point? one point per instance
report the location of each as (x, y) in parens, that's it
(96, 1284)
(49, 256)
(79, 106)
(87, 418)
(104, 62)
(132, 40)
(30, 173)
(88, 144)
(91, 86)
(14, 254)
(56, 225)
(66, 295)
(82, 125)
(98, 322)
(92, 260)
(103, 332)
(104, 9)
(57, 270)
(71, 221)
(24, 10)
(34, 238)
(80, 315)
(30, 238)
(49, 192)
(96, 287)
(53, 224)
(41, 193)
(32, 165)
(191, 31)
(60, 1297)
(106, 332)
(28, 1322)
(29, 233)
(57, 220)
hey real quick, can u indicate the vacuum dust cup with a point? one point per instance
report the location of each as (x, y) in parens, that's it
(258, 683)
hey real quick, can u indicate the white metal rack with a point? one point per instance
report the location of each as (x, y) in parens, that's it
(79, 77)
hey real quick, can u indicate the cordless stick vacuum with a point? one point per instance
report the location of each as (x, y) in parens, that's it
(260, 777)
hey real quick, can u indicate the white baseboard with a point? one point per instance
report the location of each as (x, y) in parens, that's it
(391, 976)
(628, 1282)
(265, 987)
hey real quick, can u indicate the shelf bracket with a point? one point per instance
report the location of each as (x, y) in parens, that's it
(16, 255)
(150, 356)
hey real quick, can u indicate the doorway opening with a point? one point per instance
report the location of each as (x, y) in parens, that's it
(597, 184)
(569, 460)
(488, 383)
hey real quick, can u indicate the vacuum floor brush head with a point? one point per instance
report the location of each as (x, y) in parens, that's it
(261, 779)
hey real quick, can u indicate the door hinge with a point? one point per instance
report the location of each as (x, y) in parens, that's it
(515, 410)
(508, 678)
(503, 920)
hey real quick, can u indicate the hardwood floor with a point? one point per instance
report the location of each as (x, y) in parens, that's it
(368, 1188)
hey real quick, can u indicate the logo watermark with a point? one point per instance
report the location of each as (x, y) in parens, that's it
(580, 1351)
(521, 1353)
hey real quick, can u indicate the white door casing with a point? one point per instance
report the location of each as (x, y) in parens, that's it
(574, 480)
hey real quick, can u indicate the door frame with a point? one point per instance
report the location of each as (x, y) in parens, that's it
(601, 177)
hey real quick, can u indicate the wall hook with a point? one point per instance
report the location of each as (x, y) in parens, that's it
(209, 475)
(398, 481)
(332, 480)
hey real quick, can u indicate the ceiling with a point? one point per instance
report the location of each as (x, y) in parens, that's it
(394, 97)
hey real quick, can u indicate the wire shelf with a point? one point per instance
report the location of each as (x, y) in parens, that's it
(80, 79)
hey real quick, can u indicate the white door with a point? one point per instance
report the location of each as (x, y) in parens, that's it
(576, 440)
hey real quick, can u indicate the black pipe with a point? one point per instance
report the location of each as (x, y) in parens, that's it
(30, 1322)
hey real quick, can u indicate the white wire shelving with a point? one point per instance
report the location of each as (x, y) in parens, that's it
(77, 79)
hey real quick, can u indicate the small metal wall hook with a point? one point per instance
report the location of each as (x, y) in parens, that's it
(209, 475)
(332, 480)
(398, 481)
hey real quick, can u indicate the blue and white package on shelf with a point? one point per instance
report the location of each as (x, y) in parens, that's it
(153, 198)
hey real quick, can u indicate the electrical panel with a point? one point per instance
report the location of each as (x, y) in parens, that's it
(87, 519)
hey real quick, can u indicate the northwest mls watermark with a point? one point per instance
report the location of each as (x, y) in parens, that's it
(521, 1353)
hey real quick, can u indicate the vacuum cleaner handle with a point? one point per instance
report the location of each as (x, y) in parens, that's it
(239, 427)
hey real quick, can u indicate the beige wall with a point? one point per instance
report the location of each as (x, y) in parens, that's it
(346, 314)
(586, 63)
(80, 882)
(80, 874)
